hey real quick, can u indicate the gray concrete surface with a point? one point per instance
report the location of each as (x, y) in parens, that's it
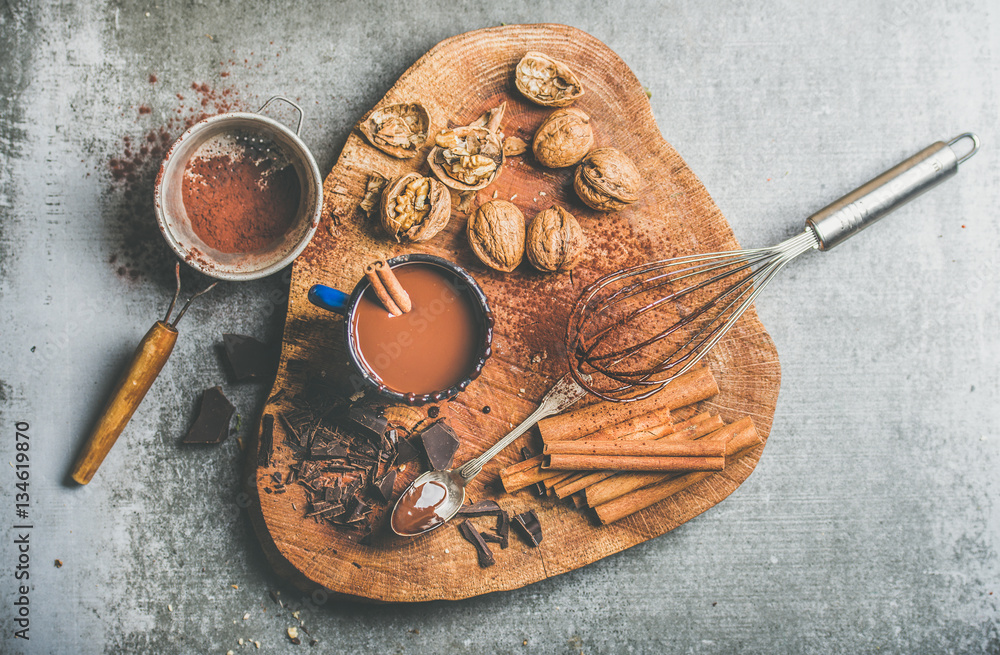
(872, 522)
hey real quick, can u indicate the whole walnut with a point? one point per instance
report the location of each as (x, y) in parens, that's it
(555, 240)
(607, 180)
(496, 234)
(414, 208)
(563, 139)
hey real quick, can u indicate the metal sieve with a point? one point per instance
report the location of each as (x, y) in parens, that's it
(173, 219)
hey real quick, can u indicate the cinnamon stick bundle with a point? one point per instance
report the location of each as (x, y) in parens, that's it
(740, 437)
(387, 288)
(573, 462)
(693, 428)
(690, 388)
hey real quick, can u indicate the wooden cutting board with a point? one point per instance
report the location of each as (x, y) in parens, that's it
(458, 80)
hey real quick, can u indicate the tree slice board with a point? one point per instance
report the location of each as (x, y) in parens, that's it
(457, 81)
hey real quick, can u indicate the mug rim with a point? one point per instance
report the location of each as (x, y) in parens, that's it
(486, 342)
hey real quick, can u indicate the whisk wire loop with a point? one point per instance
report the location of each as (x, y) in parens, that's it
(609, 337)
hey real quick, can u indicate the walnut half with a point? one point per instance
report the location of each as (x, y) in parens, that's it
(546, 81)
(399, 130)
(414, 208)
(469, 158)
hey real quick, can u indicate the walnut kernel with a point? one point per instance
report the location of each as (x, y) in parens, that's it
(469, 158)
(607, 180)
(563, 139)
(414, 208)
(555, 240)
(496, 234)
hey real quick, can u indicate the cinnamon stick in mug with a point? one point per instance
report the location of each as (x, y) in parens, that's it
(387, 289)
(689, 388)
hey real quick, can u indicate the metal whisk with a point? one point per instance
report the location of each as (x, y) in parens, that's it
(633, 331)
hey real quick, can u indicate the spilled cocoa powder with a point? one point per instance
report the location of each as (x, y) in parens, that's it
(138, 249)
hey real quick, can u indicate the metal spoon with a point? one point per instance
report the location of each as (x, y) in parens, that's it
(564, 393)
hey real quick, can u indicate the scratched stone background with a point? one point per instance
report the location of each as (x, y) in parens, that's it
(872, 521)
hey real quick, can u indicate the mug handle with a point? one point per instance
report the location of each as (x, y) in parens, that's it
(329, 299)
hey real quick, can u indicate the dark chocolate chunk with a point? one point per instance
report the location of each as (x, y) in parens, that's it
(473, 537)
(248, 358)
(482, 508)
(529, 526)
(492, 538)
(212, 424)
(368, 422)
(406, 451)
(503, 529)
(434, 411)
(327, 450)
(266, 447)
(333, 494)
(361, 508)
(386, 484)
(440, 444)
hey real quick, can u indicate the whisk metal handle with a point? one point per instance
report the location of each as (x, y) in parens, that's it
(868, 203)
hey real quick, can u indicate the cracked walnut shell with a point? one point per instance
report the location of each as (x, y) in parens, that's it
(563, 139)
(414, 208)
(469, 158)
(607, 180)
(546, 81)
(399, 130)
(555, 240)
(496, 234)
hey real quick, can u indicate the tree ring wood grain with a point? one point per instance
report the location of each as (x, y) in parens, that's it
(457, 80)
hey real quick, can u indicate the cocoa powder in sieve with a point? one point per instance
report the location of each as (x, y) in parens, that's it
(239, 204)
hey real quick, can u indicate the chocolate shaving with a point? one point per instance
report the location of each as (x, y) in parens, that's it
(482, 508)
(212, 424)
(473, 537)
(529, 526)
(327, 450)
(266, 447)
(248, 358)
(440, 445)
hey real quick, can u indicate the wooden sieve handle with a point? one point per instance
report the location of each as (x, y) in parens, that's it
(149, 358)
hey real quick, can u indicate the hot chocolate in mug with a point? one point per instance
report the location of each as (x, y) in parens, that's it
(427, 354)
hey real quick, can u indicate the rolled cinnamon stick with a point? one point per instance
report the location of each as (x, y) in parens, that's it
(572, 462)
(619, 496)
(690, 388)
(392, 285)
(638, 448)
(693, 428)
(525, 473)
(381, 292)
